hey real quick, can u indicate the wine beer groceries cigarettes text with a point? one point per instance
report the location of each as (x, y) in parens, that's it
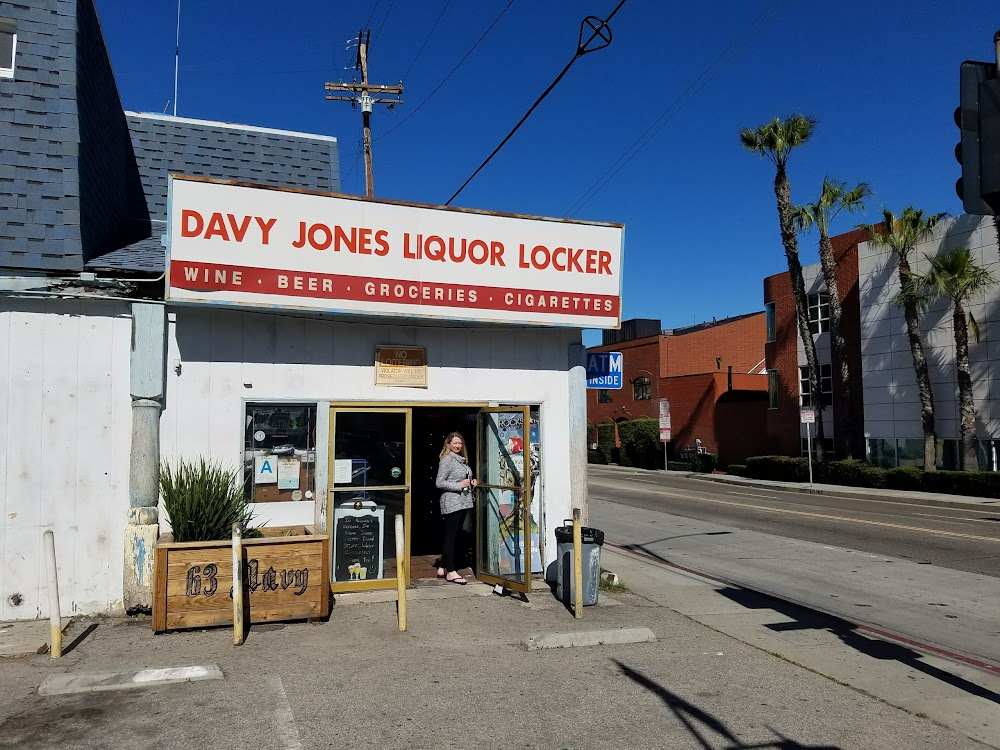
(273, 248)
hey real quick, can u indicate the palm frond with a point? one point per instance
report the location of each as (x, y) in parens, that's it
(957, 276)
(900, 234)
(803, 217)
(974, 328)
(776, 139)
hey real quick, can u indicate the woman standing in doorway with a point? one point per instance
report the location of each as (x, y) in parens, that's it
(454, 478)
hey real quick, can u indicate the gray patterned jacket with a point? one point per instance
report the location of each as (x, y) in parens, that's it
(451, 471)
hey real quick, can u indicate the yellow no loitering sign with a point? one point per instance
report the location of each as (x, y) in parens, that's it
(401, 366)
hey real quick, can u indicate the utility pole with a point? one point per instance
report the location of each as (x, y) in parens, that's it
(361, 93)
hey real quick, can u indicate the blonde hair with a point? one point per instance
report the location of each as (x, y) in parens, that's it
(446, 449)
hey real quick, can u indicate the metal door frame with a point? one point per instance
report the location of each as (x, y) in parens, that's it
(525, 504)
(332, 492)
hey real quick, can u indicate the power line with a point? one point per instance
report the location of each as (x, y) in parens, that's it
(427, 39)
(726, 56)
(597, 30)
(384, 18)
(368, 24)
(445, 80)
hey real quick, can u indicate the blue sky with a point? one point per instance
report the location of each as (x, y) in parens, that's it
(701, 228)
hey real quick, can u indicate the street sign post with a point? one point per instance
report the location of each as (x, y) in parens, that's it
(664, 427)
(604, 370)
(807, 416)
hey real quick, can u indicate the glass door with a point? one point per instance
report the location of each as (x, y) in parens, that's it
(369, 488)
(503, 519)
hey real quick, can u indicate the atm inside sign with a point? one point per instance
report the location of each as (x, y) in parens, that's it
(604, 370)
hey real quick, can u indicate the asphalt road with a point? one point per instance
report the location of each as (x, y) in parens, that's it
(927, 573)
(958, 539)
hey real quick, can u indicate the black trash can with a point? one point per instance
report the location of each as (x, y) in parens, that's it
(592, 539)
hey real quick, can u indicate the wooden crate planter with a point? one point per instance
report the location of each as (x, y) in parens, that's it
(287, 574)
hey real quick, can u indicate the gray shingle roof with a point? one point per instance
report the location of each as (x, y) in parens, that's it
(164, 145)
(64, 178)
(145, 256)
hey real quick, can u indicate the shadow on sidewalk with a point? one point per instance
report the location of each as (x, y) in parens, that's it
(700, 723)
(644, 547)
(876, 648)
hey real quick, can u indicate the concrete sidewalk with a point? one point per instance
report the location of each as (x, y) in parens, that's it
(461, 678)
(900, 496)
(956, 695)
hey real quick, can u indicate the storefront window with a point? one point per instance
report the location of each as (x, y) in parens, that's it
(604, 396)
(988, 450)
(882, 453)
(369, 463)
(910, 452)
(279, 452)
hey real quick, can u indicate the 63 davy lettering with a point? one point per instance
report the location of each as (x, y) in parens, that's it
(204, 581)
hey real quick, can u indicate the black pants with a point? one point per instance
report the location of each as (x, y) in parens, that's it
(453, 523)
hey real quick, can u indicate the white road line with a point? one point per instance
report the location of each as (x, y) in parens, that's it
(950, 518)
(750, 494)
(284, 719)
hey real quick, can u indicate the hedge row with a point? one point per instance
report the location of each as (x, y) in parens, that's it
(862, 474)
(641, 447)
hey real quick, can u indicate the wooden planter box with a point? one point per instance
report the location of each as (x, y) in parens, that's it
(287, 574)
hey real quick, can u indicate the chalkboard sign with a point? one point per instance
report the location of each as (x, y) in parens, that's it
(358, 542)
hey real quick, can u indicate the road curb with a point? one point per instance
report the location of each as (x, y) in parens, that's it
(994, 505)
(63, 684)
(619, 636)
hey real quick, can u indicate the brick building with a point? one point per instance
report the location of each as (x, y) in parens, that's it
(785, 355)
(711, 373)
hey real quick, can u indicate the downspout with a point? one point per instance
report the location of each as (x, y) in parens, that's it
(147, 388)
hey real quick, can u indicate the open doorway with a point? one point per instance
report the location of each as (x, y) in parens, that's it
(431, 425)
(384, 462)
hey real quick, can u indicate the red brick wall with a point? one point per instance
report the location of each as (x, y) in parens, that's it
(639, 358)
(694, 382)
(740, 343)
(782, 355)
(729, 424)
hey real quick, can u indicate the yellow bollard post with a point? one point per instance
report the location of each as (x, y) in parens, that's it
(239, 632)
(55, 617)
(577, 564)
(400, 573)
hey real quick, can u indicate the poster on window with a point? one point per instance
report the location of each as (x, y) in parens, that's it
(511, 446)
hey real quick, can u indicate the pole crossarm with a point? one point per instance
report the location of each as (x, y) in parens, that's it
(362, 94)
(359, 87)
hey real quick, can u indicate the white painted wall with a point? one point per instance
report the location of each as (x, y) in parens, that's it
(892, 407)
(65, 423)
(227, 357)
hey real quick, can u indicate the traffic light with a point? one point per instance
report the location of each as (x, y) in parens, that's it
(978, 116)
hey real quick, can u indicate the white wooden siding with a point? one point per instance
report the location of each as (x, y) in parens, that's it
(65, 425)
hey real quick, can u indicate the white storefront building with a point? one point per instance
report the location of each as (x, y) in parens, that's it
(326, 344)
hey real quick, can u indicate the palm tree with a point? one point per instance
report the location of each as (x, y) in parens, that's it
(775, 141)
(900, 235)
(956, 276)
(834, 198)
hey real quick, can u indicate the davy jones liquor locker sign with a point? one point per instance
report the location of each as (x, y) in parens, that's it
(273, 248)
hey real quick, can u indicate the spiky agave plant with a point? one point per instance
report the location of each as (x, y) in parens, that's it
(203, 500)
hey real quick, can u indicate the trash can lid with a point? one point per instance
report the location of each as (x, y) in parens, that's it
(588, 535)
